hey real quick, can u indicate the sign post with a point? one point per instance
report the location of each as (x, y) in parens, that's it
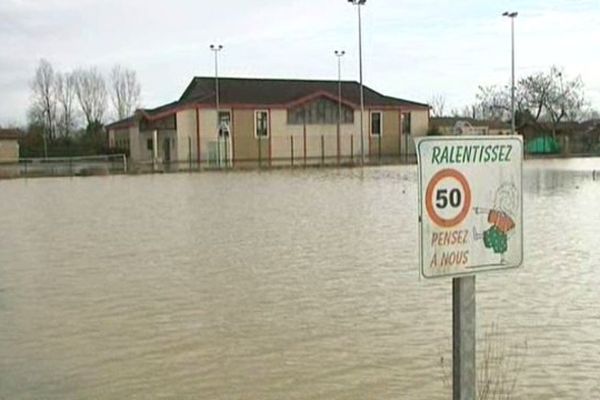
(470, 221)
(464, 373)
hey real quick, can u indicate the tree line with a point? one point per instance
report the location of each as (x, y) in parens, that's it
(549, 97)
(68, 110)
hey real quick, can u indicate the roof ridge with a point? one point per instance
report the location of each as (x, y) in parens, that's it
(278, 79)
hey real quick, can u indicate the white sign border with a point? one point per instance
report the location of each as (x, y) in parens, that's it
(489, 267)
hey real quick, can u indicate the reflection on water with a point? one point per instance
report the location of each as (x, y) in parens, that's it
(268, 285)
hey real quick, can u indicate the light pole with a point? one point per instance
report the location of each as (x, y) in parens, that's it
(512, 15)
(358, 4)
(216, 49)
(339, 54)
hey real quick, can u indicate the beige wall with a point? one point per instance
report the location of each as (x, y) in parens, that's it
(419, 127)
(389, 142)
(118, 138)
(186, 136)
(143, 153)
(9, 150)
(135, 144)
(320, 139)
(244, 143)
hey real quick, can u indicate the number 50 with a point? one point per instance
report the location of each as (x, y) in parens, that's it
(443, 198)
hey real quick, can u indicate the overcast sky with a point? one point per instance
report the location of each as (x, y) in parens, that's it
(411, 48)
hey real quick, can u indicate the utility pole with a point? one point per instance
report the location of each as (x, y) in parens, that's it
(512, 15)
(216, 49)
(358, 4)
(339, 54)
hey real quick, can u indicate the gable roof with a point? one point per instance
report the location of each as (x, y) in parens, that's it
(284, 91)
(9, 134)
(122, 123)
(267, 93)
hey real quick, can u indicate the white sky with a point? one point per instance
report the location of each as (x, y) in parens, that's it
(411, 48)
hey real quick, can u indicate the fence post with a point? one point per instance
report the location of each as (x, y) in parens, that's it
(322, 149)
(304, 136)
(292, 149)
(352, 148)
(259, 152)
(190, 152)
(379, 144)
(338, 139)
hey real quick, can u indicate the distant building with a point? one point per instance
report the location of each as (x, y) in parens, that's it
(468, 126)
(9, 146)
(572, 137)
(273, 120)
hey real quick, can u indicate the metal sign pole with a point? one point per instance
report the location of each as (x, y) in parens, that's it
(464, 374)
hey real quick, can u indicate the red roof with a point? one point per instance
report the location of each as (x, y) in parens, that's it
(9, 134)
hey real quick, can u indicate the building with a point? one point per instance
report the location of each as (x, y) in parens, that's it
(9, 146)
(270, 121)
(568, 137)
(468, 126)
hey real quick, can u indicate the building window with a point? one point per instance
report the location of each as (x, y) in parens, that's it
(261, 124)
(406, 125)
(224, 123)
(149, 144)
(376, 123)
(319, 112)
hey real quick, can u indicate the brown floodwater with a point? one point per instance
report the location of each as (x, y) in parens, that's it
(287, 284)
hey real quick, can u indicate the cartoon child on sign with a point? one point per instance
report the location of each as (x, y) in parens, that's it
(501, 218)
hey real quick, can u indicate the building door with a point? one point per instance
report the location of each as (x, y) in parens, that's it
(224, 138)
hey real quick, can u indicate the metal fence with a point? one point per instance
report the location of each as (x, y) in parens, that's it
(65, 166)
(292, 151)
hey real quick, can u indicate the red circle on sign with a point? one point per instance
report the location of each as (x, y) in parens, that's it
(437, 178)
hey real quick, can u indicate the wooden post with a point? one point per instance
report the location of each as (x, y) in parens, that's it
(322, 149)
(198, 148)
(292, 150)
(304, 136)
(190, 152)
(259, 141)
(270, 136)
(379, 144)
(464, 374)
(352, 148)
(338, 142)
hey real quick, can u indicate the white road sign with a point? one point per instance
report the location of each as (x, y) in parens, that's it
(470, 204)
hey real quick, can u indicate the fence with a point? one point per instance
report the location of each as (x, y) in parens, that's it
(288, 151)
(65, 166)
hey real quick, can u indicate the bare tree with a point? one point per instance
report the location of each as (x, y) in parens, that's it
(565, 99)
(493, 102)
(90, 90)
(437, 103)
(543, 96)
(43, 107)
(65, 85)
(124, 91)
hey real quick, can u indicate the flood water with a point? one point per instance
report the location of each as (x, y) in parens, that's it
(298, 284)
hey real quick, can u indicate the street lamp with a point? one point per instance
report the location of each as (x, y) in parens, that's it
(358, 4)
(339, 54)
(216, 49)
(512, 15)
